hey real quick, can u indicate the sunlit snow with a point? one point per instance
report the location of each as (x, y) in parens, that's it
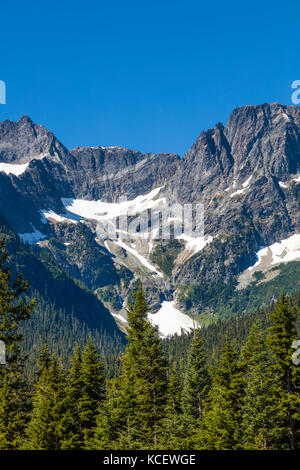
(98, 210)
(141, 258)
(46, 215)
(171, 321)
(14, 169)
(282, 252)
(195, 244)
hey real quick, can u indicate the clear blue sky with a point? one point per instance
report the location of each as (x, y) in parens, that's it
(148, 75)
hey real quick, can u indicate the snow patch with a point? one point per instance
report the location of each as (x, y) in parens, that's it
(14, 169)
(195, 244)
(33, 237)
(98, 210)
(141, 258)
(245, 185)
(49, 214)
(282, 252)
(171, 321)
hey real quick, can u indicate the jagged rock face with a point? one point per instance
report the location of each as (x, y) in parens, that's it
(259, 142)
(243, 173)
(107, 173)
(23, 141)
(265, 139)
(262, 140)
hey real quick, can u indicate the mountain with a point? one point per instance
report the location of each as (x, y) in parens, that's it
(68, 205)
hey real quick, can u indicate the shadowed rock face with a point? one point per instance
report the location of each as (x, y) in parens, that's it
(236, 171)
(23, 141)
(262, 140)
(107, 173)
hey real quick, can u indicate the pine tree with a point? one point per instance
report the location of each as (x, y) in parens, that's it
(14, 309)
(52, 424)
(108, 420)
(173, 425)
(257, 409)
(74, 391)
(91, 379)
(281, 336)
(143, 382)
(221, 425)
(196, 381)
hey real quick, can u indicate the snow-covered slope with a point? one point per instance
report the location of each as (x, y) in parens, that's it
(171, 321)
(281, 252)
(14, 169)
(268, 257)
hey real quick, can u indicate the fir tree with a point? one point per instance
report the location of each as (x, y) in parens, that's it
(281, 336)
(14, 309)
(74, 391)
(221, 425)
(173, 425)
(108, 420)
(52, 424)
(143, 382)
(196, 381)
(257, 410)
(91, 379)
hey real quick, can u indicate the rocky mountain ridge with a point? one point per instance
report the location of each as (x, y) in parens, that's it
(246, 175)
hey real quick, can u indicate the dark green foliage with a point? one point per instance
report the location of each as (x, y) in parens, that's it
(258, 400)
(222, 300)
(13, 390)
(109, 295)
(164, 255)
(140, 395)
(286, 375)
(221, 427)
(53, 421)
(92, 381)
(196, 381)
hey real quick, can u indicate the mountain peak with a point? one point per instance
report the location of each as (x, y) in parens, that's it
(22, 141)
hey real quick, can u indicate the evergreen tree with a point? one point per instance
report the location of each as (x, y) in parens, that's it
(74, 390)
(91, 378)
(173, 425)
(221, 425)
(281, 336)
(143, 382)
(196, 381)
(257, 411)
(14, 309)
(108, 420)
(52, 425)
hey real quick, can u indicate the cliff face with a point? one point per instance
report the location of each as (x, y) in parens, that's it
(246, 174)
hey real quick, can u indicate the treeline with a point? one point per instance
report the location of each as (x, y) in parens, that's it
(250, 398)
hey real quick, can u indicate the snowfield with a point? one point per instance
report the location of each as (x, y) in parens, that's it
(98, 210)
(195, 244)
(14, 169)
(282, 252)
(170, 321)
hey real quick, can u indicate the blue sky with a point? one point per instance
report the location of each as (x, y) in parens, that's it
(147, 75)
